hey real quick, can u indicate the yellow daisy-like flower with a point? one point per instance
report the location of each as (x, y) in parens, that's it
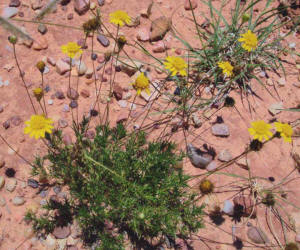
(285, 131)
(38, 93)
(176, 65)
(248, 40)
(38, 125)
(226, 67)
(142, 83)
(119, 17)
(260, 130)
(71, 49)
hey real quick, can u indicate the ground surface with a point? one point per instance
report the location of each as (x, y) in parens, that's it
(273, 161)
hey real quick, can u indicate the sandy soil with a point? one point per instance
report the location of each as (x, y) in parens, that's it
(273, 161)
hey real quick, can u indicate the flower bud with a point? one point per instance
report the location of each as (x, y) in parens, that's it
(206, 186)
(121, 41)
(12, 39)
(245, 18)
(38, 93)
(41, 66)
(107, 56)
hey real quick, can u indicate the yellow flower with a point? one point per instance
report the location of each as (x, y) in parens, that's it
(119, 17)
(38, 93)
(260, 130)
(176, 65)
(71, 49)
(248, 40)
(142, 83)
(226, 67)
(285, 131)
(38, 125)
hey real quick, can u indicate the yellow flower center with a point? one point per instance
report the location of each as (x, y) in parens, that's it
(38, 123)
(179, 63)
(142, 82)
(260, 128)
(119, 17)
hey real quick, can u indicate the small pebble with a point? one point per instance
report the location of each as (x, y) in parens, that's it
(57, 189)
(18, 201)
(94, 56)
(2, 201)
(11, 185)
(73, 104)
(50, 101)
(122, 103)
(43, 202)
(44, 193)
(66, 108)
(32, 183)
(228, 207)
(2, 181)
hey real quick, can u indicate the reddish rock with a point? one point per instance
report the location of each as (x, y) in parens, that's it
(62, 67)
(61, 232)
(40, 43)
(143, 35)
(118, 92)
(85, 93)
(81, 6)
(160, 46)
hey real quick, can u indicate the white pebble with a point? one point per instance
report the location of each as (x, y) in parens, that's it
(50, 101)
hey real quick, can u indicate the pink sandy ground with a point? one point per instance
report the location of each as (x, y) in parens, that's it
(274, 160)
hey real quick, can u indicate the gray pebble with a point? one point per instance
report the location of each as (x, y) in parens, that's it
(221, 130)
(18, 201)
(42, 29)
(32, 183)
(11, 185)
(2, 201)
(103, 40)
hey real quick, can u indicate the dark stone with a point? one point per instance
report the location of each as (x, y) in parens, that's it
(14, 3)
(177, 91)
(21, 14)
(32, 183)
(59, 95)
(42, 29)
(94, 56)
(72, 94)
(47, 88)
(73, 104)
(64, 2)
(93, 112)
(101, 2)
(6, 124)
(81, 6)
(103, 40)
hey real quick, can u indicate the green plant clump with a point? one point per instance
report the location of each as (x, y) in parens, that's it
(122, 188)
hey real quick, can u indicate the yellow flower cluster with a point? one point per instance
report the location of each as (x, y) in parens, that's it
(260, 130)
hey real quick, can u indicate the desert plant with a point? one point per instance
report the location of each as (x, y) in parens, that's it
(120, 183)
